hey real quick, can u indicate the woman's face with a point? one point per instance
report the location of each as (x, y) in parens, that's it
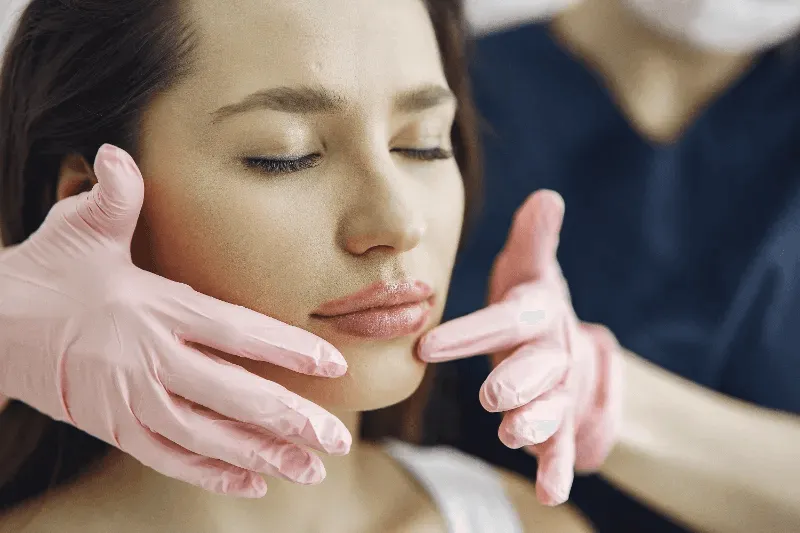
(307, 158)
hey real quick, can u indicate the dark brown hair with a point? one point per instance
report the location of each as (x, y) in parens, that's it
(78, 74)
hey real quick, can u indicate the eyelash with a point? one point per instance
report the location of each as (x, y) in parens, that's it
(428, 154)
(288, 166)
(282, 166)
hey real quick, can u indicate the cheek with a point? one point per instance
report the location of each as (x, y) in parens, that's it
(446, 219)
(244, 243)
(248, 243)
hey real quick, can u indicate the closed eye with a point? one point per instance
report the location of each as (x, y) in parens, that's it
(282, 165)
(288, 165)
(427, 154)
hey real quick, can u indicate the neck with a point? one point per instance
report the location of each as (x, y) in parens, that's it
(660, 83)
(287, 506)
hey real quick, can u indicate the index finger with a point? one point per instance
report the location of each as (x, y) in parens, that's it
(245, 333)
(495, 328)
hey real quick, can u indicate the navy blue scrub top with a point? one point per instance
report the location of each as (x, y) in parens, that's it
(689, 252)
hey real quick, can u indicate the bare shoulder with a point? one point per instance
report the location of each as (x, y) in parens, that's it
(58, 510)
(538, 518)
(11, 521)
(26, 519)
(36, 517)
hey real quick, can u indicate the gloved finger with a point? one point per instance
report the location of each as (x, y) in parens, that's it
(235, 393)
(208, 434)
(114, 204)
(556, 470)
(525, 375)
(599, 431)
(497, 327)
(158, 453)
(535, 422)
(596, 438)
(530, 250)
(245, 333)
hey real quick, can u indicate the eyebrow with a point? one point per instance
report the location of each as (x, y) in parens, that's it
(423, 98)
(310, 100)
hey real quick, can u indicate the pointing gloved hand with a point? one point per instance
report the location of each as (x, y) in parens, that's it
(557, 380)
(89, 339)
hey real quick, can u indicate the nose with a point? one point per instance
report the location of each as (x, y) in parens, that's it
(386, 214)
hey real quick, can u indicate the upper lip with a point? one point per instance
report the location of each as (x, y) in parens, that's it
(378, 295)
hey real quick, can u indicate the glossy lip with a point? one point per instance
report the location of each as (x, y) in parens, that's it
(384, 310)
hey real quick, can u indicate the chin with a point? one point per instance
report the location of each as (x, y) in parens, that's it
(380, 374)
(376, 378)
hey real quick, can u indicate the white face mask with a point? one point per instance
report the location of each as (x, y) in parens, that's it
(485, 16)
(723, 25)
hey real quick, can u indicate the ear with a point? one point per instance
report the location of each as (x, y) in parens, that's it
(75, 176)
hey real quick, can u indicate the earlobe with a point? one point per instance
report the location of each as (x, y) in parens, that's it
(74, 177)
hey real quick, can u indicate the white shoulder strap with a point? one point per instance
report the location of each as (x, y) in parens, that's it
(468, 492)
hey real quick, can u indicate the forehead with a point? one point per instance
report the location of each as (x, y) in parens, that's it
(364, 49)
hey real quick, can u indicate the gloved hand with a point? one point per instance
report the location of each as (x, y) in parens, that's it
(89, 339)
(558, 381)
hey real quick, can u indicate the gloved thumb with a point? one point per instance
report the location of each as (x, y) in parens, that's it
(114, 204)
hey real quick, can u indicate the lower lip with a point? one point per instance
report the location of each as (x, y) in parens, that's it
(382, 323)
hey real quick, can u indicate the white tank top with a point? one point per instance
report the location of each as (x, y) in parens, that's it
(468, 492)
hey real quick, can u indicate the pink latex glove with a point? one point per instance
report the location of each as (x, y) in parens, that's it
(89, 339)
(557, 380)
